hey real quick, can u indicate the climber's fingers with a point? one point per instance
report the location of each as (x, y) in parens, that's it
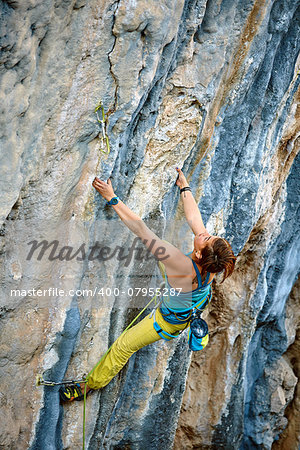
(99, 184)
(181, 180)
(97, 180)
(105, 189)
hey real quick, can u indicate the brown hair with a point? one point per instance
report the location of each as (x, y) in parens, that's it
(218, 257)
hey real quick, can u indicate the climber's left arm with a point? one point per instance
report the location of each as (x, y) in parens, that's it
(162, 250)
(191, 210)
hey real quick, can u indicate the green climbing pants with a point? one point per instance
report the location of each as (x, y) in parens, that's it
(128, 343)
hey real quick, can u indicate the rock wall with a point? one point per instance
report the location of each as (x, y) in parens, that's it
(210, 86)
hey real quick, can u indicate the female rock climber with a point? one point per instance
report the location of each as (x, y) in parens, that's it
(190, 274)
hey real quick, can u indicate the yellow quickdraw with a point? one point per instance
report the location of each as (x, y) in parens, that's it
(104, 141)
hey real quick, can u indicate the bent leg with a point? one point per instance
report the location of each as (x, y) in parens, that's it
(128, 343)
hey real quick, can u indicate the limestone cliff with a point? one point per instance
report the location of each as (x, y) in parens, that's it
(209, 86)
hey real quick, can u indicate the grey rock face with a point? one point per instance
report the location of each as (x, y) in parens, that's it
(212, 87)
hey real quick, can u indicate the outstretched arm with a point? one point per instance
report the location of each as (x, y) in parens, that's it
(162, 250)
(191, 210)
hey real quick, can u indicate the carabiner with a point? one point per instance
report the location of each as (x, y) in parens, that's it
(102, 122)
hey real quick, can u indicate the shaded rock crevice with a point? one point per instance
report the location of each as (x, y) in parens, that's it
(51, 414)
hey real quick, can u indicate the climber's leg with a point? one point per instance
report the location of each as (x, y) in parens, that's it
(128, 343)
(132, 340)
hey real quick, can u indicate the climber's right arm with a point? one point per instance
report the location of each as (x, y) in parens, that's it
(161, 249)
(172, 257)
(191, 210)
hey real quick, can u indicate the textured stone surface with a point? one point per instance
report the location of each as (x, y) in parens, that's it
(213, 87)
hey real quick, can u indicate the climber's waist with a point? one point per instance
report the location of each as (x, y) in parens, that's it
(176, 316)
